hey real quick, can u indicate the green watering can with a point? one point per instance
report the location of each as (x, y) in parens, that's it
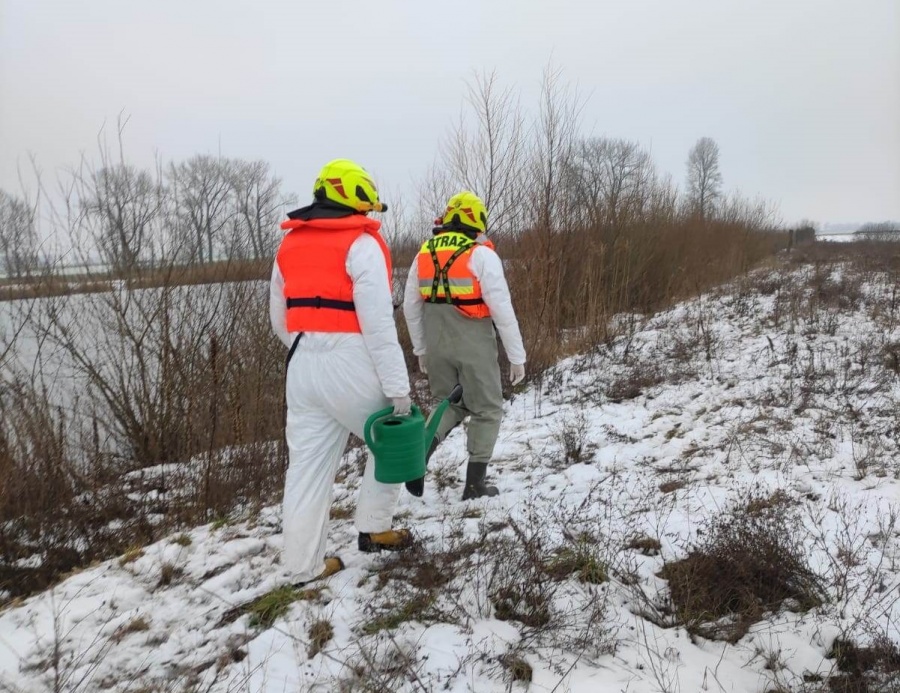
(399, 443)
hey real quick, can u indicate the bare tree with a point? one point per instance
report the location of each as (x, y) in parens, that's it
(704, 178)
(612, 181)
(257, 199)
(202, 189)
(486, 154)
(553, 145)
(881, 230)
(662, 206)
(435, 188)
(18, 235)
(113, 209)
(755, 214)
(120, 206)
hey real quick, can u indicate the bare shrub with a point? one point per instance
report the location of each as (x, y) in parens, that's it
(143, 394)
(425, 568)
(153, 377)
(48, 510)
(553, 586)
(489, 156)
(865, 669)
(410, 582)
(573, 436)
(749, 561)
(518, 588)
(384, 667)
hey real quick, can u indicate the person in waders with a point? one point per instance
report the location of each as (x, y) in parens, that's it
(456, 294)
(330, 304)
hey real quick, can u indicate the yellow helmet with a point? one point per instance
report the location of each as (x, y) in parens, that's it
(348, 184)
(467, 210)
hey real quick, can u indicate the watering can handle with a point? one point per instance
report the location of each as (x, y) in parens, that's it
(375, 418)
(371, 421)
(455, 394)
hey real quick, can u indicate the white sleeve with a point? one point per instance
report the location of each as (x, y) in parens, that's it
(412, 310)
(278, 307)
(487, 268)
(375, 310)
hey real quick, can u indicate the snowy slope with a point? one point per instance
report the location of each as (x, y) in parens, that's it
(783, 381)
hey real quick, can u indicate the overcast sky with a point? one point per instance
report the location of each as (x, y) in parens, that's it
(802, 96)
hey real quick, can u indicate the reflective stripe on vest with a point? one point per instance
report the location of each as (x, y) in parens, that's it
(445, 276)
(312, 259)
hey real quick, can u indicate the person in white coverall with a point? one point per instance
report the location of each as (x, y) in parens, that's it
(456, 295)
(331, 306)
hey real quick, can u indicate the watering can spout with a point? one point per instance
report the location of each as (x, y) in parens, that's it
(435, 419)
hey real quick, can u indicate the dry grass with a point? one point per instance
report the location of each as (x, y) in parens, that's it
(579, 561)
(414, 607)
(633, 384)
(577, 280)
(130, 556)
(169, 574)
(320, 634)
(517, 668)
(672, 485)
(135, 625)
(275, 604)
(646, 545)
(340, 512)
(48, 284)
(513, 571)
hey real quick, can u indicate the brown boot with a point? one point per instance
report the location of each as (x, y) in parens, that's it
(333, 565)
(391, 540)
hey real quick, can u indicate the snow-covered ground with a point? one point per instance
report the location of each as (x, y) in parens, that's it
(783, 381)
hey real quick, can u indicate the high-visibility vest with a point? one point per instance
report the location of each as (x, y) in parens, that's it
(312, 259)
(445, 276)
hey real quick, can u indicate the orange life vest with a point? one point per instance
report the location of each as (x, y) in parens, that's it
(312, 259)
(445, 276)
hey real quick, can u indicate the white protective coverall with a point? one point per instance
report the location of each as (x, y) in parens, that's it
(334, 382)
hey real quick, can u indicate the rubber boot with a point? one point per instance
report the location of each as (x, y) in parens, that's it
(391, 540)
(475, 484)
(417, 486)
(333, 565)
